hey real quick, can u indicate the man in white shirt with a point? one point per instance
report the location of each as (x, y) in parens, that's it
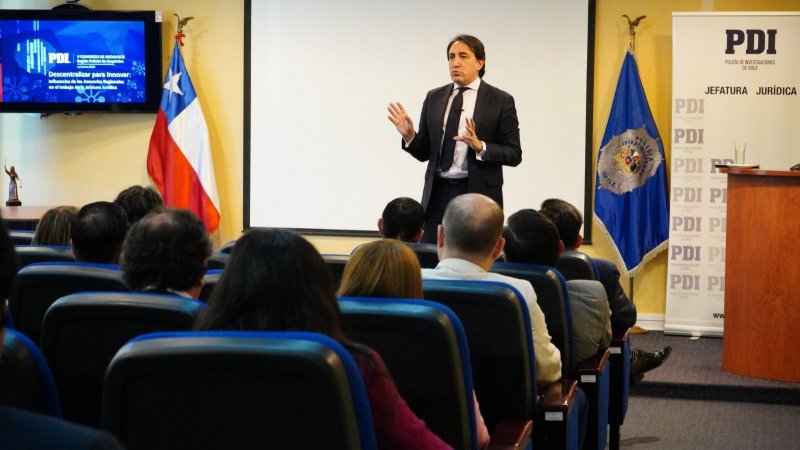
(469, 240)
(468, 131)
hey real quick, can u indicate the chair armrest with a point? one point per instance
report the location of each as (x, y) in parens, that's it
(558, 396)
(619, 337)
(511, 435)
(593, 366)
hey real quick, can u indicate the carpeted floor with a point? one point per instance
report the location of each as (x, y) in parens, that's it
(690, 403)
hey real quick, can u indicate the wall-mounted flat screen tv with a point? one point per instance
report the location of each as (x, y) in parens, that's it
(80, 61)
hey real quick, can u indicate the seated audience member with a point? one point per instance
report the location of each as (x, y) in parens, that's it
(54, 228)
(166, 251)
(277, 281)
(137, 201)
(569, 220)
(388, 268)
(531, 237)
(97, 233)
(24, 429)
(469, 241)
(402, 219)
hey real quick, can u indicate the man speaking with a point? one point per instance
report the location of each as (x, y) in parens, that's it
(468, 130)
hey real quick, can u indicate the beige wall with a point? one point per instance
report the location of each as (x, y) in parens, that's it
(75, 160)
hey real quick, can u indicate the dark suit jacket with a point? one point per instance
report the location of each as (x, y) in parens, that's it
(623, 310)
(496, 124)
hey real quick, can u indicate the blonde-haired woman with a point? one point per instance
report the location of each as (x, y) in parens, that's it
(55, 226)
(388, 268)
(384, 268)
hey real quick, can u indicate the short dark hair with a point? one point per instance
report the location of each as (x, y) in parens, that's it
(137, 201)
(54, 227)
(531, 237)
(402, 217)
(567, 218)
(166, 250)
(475, 45)
(98, 231)
(275, 280)
(472, 224)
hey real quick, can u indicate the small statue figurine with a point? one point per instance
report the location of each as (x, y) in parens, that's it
(13, 195)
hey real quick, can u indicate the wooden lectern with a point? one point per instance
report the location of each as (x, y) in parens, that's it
(762, 275)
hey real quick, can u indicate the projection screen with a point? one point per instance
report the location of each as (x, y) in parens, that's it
(321, 155)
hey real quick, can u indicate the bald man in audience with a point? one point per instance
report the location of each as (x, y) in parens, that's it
(469, 241)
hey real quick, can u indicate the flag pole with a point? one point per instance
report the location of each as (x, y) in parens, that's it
(632, 24)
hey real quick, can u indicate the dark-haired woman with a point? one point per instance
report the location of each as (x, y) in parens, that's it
(277, 281)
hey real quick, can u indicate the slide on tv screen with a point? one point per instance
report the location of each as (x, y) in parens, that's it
(51, 61)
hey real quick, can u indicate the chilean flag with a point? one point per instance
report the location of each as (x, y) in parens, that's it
(179, 159)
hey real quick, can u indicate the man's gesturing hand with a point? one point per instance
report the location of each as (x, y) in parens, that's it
(401, 120)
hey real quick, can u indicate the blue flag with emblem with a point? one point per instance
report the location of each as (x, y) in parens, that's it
(631, 183)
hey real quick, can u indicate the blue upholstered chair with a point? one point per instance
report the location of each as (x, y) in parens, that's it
(427, 254)
(218, 260)
(227, 247)
(82, 332)
(593, 374)
(242, 390)
(39, 285)
(21, 237)
(575, 265)
(425, 349)
(210, 280)
(32, 254)
(336, 265)
(498, 328)
(25, 379)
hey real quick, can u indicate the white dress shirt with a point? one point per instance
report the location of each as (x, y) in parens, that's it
(548, 358)
(459, 167)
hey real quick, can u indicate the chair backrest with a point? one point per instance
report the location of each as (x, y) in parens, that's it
(21, 237)
(210, 280)
(32, 254)
(427, 254)
(218, 260)
(236, 390)
(82, 332)
(336, 265)
(425, 350)
(25, 379)
(552, 297)
(227, 247)
(39, 285)
(575, 265)
(498, 329)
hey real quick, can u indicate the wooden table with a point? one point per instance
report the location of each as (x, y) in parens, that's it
(22, 217)
(762, 275)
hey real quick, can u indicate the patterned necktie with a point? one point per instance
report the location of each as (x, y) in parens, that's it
(451, 131)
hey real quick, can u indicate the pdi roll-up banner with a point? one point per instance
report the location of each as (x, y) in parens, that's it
(735, 78)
